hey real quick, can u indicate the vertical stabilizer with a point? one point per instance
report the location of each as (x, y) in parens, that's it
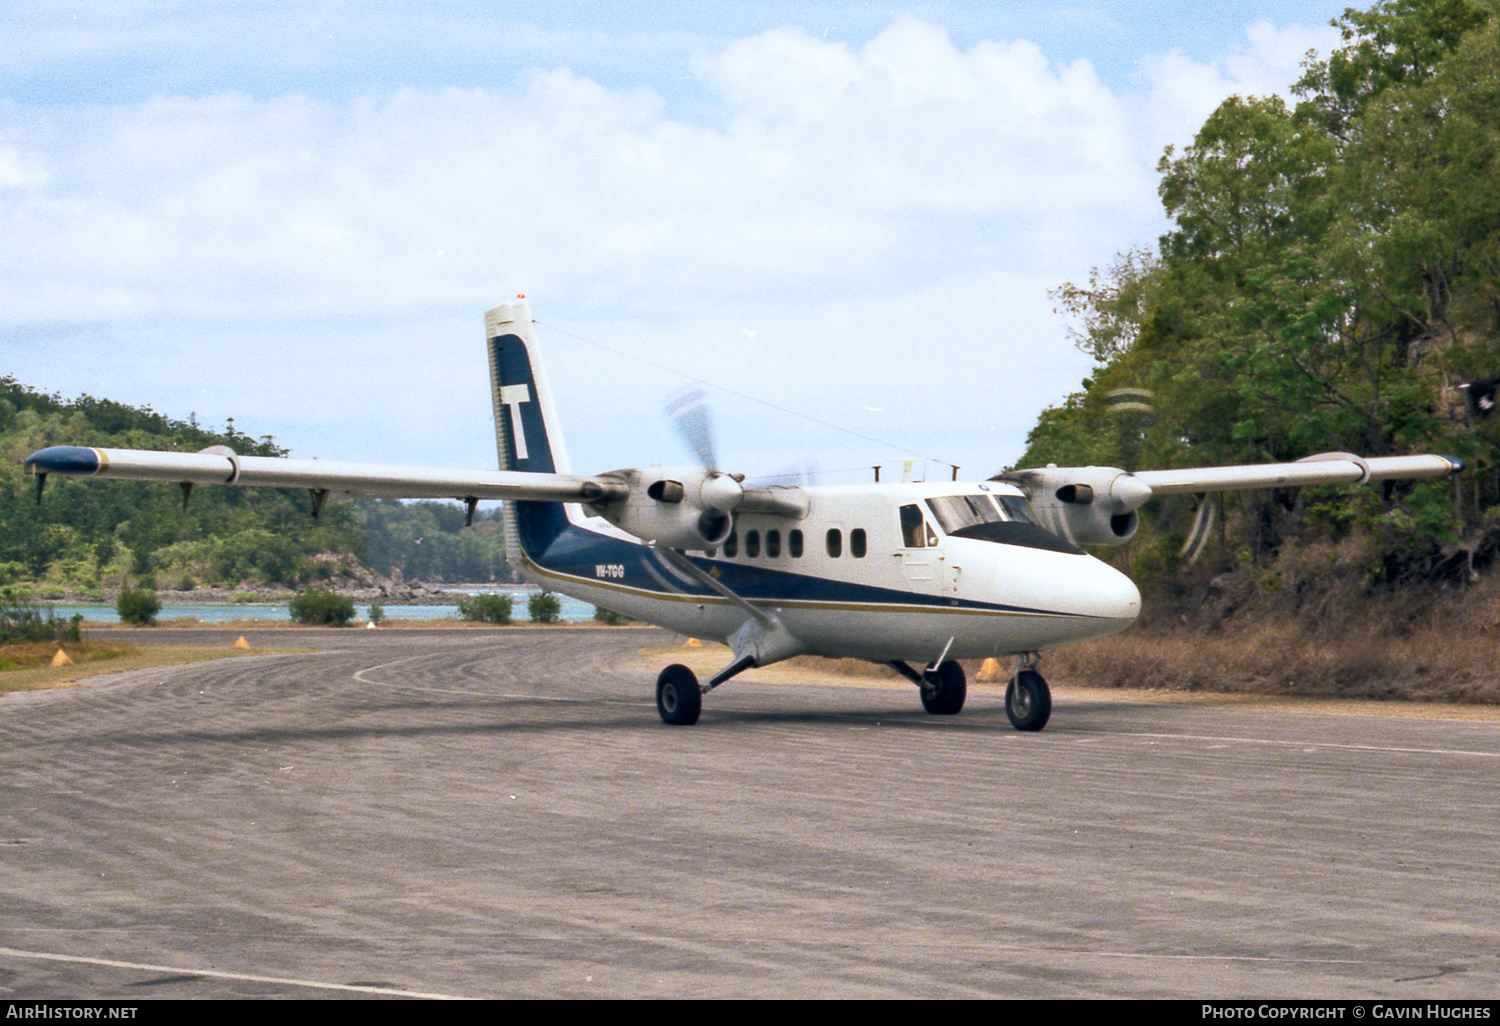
(526, 433)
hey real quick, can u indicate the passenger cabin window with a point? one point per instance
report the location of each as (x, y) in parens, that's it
(773, 544)
(794, 544)
(752, 544)
(835, 542)
(915, 533)
(857, 543)
(732, 544)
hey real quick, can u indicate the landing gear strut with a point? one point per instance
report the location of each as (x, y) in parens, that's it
(1028, 699)
(943, 689)
(679, 696)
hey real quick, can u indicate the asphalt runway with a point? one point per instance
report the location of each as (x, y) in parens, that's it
(501, 814)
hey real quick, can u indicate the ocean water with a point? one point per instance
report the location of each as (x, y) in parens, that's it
(573, 611)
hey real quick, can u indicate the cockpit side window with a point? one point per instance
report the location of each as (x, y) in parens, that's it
(914, 529)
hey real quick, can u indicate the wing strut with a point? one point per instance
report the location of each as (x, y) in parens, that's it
(688, 567)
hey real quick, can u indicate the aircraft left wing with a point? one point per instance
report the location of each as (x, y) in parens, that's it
(1096, 505)
(220, 465)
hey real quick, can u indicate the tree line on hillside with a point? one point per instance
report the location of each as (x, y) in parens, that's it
(88, 536)
(1331, 282)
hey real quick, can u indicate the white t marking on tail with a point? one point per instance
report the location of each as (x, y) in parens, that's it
(513, 396)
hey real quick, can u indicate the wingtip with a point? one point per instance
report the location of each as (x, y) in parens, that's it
(1458, 465)
(67, 460)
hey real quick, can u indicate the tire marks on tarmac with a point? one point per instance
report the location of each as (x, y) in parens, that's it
(503, 815)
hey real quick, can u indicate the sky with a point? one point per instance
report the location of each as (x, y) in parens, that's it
(845, 217)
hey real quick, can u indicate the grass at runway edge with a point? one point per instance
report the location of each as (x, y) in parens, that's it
(93, 658)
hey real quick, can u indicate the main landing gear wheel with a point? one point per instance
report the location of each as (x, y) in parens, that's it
(944, 689)
(679, 700)
(1028, 700)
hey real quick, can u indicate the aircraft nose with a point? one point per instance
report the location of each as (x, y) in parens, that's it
(1114, 596)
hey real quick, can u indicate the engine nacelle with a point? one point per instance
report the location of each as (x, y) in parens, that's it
(1086, 505)
(1089, 525)
(679, 507)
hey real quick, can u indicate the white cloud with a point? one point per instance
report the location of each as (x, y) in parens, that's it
(1182, 92)
(18, 171)
(833, 171)
(890, 215)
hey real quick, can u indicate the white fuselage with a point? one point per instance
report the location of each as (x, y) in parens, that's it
(851, 580)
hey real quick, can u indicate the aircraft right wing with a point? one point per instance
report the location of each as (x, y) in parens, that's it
(683, 507)
(220, 465)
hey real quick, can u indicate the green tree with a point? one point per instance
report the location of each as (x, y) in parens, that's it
(138, 606)
(544, 607)
(1332, 272)
(486, 608)
(316, 606)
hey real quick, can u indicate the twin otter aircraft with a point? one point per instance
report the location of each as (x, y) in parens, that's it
(909, 575)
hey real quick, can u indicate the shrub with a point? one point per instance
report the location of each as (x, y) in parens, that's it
(544, 607)
(188, 583)
(312, 605)
(138, 606)
(377, 612)
(20, 622)
(609, 616)
(486, 608)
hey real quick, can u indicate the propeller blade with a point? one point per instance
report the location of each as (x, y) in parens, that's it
(688, 409)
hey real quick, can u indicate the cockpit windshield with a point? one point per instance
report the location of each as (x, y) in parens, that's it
(955, 512)
(958, 511)
(1018, 509)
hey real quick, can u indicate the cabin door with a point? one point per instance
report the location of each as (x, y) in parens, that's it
(918, 545)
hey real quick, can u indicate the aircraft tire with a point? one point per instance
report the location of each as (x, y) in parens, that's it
(1028, 701)
(952, 688)
(678, 699)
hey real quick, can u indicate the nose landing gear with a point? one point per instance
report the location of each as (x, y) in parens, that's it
(1028, 699)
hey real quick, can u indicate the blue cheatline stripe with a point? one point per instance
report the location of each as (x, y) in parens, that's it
(576, 554)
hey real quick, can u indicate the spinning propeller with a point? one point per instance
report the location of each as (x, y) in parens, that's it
(688, 411)
(692, 507)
